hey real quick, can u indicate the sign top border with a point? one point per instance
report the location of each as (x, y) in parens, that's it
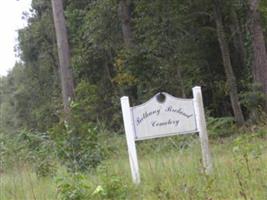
(167, 96)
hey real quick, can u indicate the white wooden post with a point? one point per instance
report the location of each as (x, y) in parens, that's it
(129, 130)
(202, 129)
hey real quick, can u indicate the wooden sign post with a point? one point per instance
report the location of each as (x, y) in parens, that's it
(202, 129)
(164, 115)
(129, 130)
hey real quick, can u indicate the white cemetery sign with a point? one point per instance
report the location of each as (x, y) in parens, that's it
(164, 115)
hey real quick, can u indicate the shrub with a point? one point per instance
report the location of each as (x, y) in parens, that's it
(35, 148)
(221, 127)
(77, 145)
(253, 100)
(40, 152)
(112, 187)
(73, 187)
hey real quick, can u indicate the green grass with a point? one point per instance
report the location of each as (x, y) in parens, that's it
(21, 183)
(169, 170)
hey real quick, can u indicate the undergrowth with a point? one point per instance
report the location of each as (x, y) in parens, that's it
(171, 168)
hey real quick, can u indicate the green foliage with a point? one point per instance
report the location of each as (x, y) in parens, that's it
(85, 106)
(221, 127)
(75, 186)
(244, 149)
(113, 187)
(72, 187)
(77, 145)
(254, 99)
(32, 86)
(174, 173)
(261, 132)
(175, 47)
(245, 153)
(41, 151)
(36, 149)
(168, 144)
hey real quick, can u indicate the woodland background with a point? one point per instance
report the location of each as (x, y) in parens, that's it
(138, 48)
(135, 48)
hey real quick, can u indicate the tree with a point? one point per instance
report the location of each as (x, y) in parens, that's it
(125, 17)
(231, 80)
(259, 58)
(67, 84)
(135, 48)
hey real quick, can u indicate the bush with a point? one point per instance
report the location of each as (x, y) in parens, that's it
(40, 152)
(76, 186)
(112, 186)
(77, 145)
(221, 127)
(34, 148)
(73, 187)
(253, 100)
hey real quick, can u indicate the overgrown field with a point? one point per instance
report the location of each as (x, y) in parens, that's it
(170, 168)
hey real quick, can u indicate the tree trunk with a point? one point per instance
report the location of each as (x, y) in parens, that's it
(180, 81)
(231, 80)
(238, 39)
(67, 85)
(125, 17)
(259, 58)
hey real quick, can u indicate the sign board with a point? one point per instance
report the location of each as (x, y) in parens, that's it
(164, 115)
(157, 118)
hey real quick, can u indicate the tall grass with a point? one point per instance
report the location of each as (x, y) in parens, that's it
(178, 173)
(171, 168)
(22, 184)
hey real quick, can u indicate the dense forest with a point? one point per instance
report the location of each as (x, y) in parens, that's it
(137, 48)
(132, 48)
